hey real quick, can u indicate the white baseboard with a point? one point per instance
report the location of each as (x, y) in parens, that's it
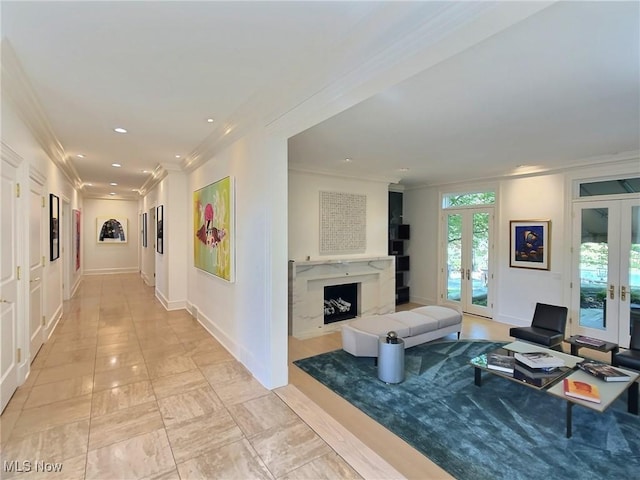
(111, 271)
(170, 304)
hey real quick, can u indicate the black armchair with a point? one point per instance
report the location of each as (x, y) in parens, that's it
(547, 327)
(630, 358)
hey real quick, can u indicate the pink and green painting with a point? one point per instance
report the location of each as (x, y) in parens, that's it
(213, 229)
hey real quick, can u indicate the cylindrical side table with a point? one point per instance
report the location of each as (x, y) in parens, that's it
(391, 360)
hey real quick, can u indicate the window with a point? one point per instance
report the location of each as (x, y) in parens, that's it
(454, 200)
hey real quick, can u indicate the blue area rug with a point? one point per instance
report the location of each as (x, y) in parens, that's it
(501, 430)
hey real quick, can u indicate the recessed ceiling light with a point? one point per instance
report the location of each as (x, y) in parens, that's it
(347, 160)
(145, 171)
(120, 130)
(112, 193)
(113, 184)
(89, 184)
(117, 165)
(80, 155)
(403, 169)
(227, 131)
(210, 120)
(177, 156)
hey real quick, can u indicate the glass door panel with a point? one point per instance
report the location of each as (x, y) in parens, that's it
(454, 256)
(480, 259)
(594, 267)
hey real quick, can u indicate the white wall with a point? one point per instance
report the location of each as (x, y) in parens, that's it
(35, 162)
(100, 258)
(249, 316)
(304, 213)
(516, 290)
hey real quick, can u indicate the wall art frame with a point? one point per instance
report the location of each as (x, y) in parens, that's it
(530, 244)
(77, 237)
(160, 229)
(214, 229)
(144, 229)
(54, 227)
(112, 230)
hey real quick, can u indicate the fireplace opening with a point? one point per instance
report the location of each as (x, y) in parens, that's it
(340, 302)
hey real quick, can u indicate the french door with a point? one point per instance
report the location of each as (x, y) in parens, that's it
(606, 283)
(467, 280)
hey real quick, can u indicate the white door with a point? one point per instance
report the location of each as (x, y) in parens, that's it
(9, 298)
(36, 261)
(606, 284)
(467, 280)
(151, 247)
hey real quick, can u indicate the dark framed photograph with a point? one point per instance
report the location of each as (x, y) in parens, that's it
(144, 230)
(530, 244)
(159, 228)
(54, 227)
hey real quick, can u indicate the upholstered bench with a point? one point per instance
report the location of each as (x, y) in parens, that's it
(420, 325)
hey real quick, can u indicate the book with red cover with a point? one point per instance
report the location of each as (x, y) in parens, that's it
(581, 390)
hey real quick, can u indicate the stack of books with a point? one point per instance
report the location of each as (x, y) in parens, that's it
(501, 363)
(603, 371)
(581, 390)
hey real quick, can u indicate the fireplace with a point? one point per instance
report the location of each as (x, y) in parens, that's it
(340, 302)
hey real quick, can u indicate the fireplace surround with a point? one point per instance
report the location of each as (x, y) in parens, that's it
(375, 277)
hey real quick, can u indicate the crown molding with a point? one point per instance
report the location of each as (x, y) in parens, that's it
(350, 176)
(18, 89)
(159, 173)
(9, 155)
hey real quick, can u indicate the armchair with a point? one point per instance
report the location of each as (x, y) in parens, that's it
(630, 358)
(547, 327)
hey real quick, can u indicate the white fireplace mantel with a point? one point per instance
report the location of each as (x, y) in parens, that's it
(375, 277)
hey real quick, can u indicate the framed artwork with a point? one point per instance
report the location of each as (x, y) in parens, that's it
(111, 230)
(54, 227)
(144, 230)
(76, 237)
(213, 223)
(159, 227)
(530, 244)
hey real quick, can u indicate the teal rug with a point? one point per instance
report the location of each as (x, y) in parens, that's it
(501, 430)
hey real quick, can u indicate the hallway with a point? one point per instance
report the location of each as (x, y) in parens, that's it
(126, 390)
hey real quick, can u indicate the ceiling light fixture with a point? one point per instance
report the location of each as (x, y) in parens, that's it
(80, 155)
(89, 184)
(112, 193)
(209, 120)
(113, 184)
(177, 156)
(120, 130)
(227, 131)
(347, 160)
(117, 165)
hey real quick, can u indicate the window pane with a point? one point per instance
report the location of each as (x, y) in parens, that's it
(610, 187)
(594, 267)
(466, 199)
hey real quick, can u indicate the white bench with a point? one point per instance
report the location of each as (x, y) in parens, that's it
(423, 324)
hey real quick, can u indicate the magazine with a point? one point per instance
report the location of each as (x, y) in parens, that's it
(603, 371)
(581, 390)
(593, 342)
(502, 363)
(539, 360)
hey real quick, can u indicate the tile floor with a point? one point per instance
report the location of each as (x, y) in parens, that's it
(126, 390)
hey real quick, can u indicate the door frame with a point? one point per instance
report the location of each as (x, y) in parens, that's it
(466, 304)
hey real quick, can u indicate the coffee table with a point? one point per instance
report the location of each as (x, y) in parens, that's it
(553, 385)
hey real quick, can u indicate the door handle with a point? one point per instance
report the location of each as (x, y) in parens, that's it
(623, 293)
(612, 292)
(468, 274)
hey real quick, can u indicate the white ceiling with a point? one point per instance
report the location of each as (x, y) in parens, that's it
(507, 83)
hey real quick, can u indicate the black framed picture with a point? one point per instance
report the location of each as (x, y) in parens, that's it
(144, 230)
(159, 222)
(54, 227)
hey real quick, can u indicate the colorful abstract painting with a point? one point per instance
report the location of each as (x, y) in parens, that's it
(213, 229)
(530, 244)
